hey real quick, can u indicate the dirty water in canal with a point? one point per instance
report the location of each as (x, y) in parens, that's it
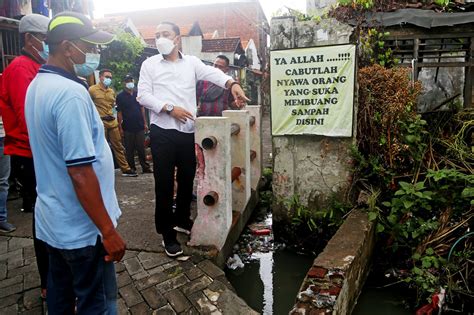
(264, 273)
(376, 300)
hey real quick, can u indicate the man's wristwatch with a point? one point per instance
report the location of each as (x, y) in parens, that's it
(169, 108)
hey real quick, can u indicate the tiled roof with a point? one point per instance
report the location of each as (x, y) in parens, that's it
(148, 32)
(220, 44)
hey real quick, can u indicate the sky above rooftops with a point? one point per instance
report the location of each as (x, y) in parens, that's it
(102, 7)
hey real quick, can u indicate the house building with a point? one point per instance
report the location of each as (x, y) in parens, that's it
(242, 19)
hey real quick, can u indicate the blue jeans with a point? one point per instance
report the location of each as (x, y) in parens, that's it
(4, 174)
(83, 274)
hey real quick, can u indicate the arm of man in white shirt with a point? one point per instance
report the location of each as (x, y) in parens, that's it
(216, 76)
(145, 90)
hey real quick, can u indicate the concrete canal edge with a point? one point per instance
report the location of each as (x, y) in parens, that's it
(239, 222)
(335, 280)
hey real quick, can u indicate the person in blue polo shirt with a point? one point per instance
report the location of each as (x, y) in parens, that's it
(76, 210)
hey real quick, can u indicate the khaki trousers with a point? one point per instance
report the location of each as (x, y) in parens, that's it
(113, 136)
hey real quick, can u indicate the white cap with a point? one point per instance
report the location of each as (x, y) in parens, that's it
(34, 23)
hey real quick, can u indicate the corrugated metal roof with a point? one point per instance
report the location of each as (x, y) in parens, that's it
(5, 20)
(421, 18)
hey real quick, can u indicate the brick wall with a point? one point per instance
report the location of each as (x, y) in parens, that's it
(333, 283)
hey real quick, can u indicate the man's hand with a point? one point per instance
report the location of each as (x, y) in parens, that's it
(121, 132)
(146, 128)
(239, 96)
(181, 114)
(114, 246)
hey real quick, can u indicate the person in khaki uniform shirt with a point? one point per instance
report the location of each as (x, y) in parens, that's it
(104, 100)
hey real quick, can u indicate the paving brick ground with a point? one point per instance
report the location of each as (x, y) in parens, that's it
(149, 282)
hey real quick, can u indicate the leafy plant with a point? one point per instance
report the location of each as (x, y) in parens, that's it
(442, 3)
(316, 220)
(425, 274)
(122, 56)
(358, 4)
(372, 49)
(421, 220)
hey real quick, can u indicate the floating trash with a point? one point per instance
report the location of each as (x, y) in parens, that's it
(234, 262)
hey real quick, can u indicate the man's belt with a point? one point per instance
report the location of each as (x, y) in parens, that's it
(108, 118)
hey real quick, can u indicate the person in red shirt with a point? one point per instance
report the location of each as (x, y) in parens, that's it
(15, 81)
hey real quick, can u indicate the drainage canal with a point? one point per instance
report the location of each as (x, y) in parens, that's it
(265, 273)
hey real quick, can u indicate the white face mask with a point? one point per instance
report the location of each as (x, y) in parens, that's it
(164, 45)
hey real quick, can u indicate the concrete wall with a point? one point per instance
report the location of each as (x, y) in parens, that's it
(333, 283)
(252, 55)
(440, 84)
(314, 168)
(192, 45)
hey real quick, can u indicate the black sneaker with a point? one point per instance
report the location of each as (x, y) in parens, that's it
(172, 249)
(129, 173)
(7, 227)
(147, 170)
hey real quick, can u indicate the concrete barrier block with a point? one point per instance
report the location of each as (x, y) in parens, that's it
(255, 112)
(240, 158)
(214, 191)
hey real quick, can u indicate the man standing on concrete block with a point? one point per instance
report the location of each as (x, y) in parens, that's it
(167, 86)
(76, 210)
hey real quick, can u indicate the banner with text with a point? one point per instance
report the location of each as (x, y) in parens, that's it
(312, 91)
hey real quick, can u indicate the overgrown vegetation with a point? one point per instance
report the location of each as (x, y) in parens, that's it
(310, 229)
(414, 174)
(386, 5)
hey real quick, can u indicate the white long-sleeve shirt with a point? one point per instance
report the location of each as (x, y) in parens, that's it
(164, 82)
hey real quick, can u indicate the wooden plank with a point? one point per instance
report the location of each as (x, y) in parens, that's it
(439, 64)
(409, 32)
(416, 68)
(468, 77)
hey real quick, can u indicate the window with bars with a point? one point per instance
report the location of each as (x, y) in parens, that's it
(10, 46)
(439, 51)
(432, 52)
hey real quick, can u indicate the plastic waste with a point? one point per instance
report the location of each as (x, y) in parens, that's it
(261, 232)
(234, 262)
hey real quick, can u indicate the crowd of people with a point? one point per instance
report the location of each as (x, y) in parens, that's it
(58, 139)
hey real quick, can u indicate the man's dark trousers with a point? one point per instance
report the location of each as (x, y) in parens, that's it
(24, 169)
(135, 141)
(83, 274)
(171, 148)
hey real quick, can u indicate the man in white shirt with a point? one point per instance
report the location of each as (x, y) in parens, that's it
(167, 86)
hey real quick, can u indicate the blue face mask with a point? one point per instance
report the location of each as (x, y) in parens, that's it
(44, 54)
(107, 82)
(130, 85)
(89, 66)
